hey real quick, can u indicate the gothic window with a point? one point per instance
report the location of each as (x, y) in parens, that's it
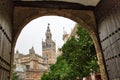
(47, 37)
(27, 67)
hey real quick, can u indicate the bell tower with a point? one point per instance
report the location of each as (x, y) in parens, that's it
(49, 48)
(48, 33)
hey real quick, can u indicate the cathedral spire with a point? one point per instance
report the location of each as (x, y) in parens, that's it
(48, 33)
(32, 51)
(48, 28)
(17, 52)
(49, 47)
(48, 24)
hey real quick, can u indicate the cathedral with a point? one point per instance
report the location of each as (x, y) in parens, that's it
(32, 65)
(49, 48)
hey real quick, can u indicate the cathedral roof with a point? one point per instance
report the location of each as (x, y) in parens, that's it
(42, 67)
(32, 51)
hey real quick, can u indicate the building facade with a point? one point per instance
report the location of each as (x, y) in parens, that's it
(49, 48)
(32, 65)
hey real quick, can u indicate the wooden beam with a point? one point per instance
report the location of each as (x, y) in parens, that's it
(53, 4)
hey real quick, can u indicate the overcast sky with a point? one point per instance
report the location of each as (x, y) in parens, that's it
(34, 32)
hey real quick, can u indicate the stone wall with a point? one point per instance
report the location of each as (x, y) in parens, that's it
(5, 38)
(23, 15)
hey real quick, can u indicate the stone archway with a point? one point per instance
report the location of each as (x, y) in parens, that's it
(23, 15)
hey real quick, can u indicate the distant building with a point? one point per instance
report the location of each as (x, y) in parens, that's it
(59, 52)
(32, 65)
(67, 36)
(49, 48)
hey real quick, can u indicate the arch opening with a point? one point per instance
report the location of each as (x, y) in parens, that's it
(36, 31)
(32, 50)
(84, 17)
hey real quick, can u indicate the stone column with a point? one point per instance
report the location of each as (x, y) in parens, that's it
(99, 56)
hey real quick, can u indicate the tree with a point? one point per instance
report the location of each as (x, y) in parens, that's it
(80, 53)
(14, 74)
(59, 71)
(78, 57)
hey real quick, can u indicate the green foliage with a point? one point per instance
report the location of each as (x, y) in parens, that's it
(80, 53)
(14, 74)
(59, 71)
(79, 56)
